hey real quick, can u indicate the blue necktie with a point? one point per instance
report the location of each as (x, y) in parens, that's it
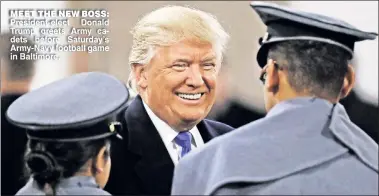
(183, 139)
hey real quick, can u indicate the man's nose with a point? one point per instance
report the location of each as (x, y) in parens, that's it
(195, 76)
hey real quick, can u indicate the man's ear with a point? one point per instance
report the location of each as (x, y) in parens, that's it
(139, 71)
(348, 82)
(272, 79)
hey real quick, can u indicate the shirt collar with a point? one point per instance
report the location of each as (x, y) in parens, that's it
(167, 133)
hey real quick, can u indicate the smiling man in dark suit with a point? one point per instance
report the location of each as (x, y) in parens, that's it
(175, 59)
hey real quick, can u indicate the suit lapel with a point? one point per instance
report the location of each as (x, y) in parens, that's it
(206, 131)
(155, 166)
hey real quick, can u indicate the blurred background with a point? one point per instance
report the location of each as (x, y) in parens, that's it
(240, 98)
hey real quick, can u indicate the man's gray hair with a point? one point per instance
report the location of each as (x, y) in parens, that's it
(169, 25)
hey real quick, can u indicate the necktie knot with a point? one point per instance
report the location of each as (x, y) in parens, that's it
(183, 139)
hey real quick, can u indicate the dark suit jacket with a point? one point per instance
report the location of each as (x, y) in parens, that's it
(13, 142)
(141, 163)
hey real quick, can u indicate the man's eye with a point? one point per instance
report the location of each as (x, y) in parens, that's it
(209, 66)
(179, 66)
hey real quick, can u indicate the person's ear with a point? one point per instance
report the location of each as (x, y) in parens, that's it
(100, 160)
(348, 82)
(139, 71)
(272, 77)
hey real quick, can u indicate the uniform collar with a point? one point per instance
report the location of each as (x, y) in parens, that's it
(290, 104)
(79, 181)
(355, 138)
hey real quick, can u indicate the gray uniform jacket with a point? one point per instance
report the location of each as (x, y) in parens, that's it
(77, 185)
(302, 146)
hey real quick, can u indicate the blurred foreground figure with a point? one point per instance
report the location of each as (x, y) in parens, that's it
(306, 144)
(70, 126)
(175, 59)
(16, 78)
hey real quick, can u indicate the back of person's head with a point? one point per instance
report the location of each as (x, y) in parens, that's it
(68, 136)
(50, 162)
(15, 69)
(317, 68)
(169, 25)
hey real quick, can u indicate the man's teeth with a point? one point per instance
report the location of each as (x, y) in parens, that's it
(190, 96)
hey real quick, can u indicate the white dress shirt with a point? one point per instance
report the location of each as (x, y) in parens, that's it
(168, 135)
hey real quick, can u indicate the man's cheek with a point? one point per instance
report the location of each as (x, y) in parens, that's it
(210, 80)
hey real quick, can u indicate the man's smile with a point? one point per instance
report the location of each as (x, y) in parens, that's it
(190, 96)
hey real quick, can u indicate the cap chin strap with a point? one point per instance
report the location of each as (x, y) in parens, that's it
(97, 131)
(308, 38)
(73, 139)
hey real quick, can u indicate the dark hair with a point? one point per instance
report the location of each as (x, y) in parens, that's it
(316, 67)
(49, 162)
(16, 69)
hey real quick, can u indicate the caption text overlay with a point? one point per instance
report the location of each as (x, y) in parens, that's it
(50, 32)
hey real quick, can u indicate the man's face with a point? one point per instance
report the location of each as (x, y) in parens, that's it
(181, 82)
(265, 78)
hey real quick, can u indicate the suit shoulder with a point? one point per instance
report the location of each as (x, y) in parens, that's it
(218, 125)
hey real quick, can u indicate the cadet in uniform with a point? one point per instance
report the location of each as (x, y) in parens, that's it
(70, 124)
(306, 144)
